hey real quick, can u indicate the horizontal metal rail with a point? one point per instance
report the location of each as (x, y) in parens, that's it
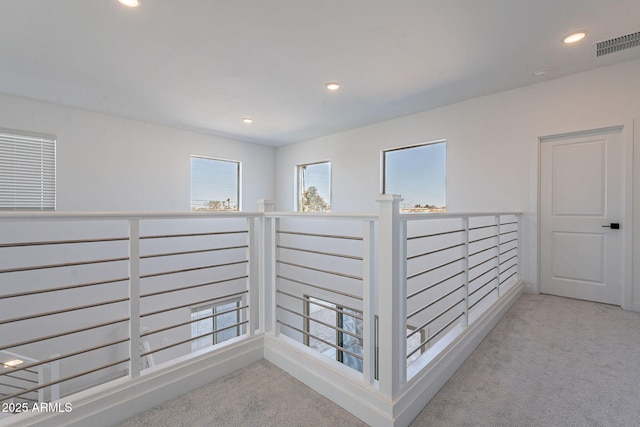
(432, 303)
(63, 288)
(306, 267)
(63, 242)
(235, 325)
(191, 304)
(480, 227)
(433, 319)
(485, 295)
(185, 270)
(515, 248)
(482, 274)
(409, 258)
(322, 288)
(61, 265)
(62, 334)
(443, 233)
(509, 259)
(509, 241)
(481, 239)
(65, 356)
(177, 325)
(61, 380)
(510, 276)
(359, 258)
(65, 310)
(337, 347)
(198, 251)
(28, 380)
(509, 223)
(319, 304)
(483, 262)
(480, 287)
(311, 319)
(483, 250)
(433, 285)
(199, 285)
(209, 233)
(434, 268)
(428, 340)
(328, 236)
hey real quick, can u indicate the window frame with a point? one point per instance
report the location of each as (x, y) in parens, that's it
(383, 174)
(44, 194)
(213, 318)
(238, 182)
(340, 311)
(299, 191)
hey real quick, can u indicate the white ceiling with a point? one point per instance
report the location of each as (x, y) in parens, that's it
(205, 64)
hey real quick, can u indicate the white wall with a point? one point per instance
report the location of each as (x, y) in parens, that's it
(108, 163)
(492, 148)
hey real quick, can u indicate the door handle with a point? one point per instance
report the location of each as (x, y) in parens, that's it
(613, 226)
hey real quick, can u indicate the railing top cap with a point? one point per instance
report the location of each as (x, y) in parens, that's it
(88, 216)
(325, 215)
(440, 215)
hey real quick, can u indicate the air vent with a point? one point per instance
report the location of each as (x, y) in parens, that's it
(617, 44)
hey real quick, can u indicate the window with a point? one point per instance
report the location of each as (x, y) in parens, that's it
(27, 171)
(334, 331)
(418, 174)
(215, 184)
(314, 187)
(215, 323)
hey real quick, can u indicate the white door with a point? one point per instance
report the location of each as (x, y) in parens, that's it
(581, 201)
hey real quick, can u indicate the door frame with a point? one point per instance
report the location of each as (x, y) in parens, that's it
(627, 130)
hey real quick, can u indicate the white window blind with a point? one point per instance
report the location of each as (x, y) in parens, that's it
(27, 172)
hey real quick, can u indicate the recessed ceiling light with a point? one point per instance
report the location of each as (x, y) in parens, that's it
(131, 3)
(12, 363)
(247, 120)
(333, 86)
(575, 37)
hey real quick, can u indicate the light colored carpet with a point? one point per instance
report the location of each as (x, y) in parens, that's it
(258, 395)
(549, 362)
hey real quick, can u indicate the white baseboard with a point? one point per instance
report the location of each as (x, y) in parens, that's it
(362, 400)
(118, 400)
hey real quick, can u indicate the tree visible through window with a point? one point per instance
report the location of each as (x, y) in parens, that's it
(214, 184)
(314, 187)
(418, 174)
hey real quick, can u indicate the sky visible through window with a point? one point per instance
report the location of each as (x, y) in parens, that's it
(214, 184)
(418, 174)
(317, 175)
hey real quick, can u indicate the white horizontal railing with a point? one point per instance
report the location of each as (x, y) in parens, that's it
(322, 285)
(100, 296)
(380, 295)
(457, 266)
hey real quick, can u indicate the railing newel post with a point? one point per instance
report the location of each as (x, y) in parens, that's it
(368, 302)
(266, 279)
(391, 297)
